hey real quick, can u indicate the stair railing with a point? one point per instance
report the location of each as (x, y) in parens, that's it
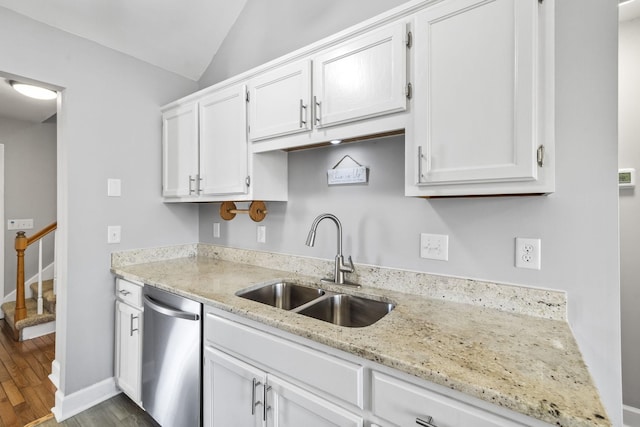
(22, 242)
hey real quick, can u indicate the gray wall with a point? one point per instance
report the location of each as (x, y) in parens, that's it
(30, 189)
(629, 157)
(578, 224)
(110, 128)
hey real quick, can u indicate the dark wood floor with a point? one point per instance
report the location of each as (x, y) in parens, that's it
(26, 393)
(115, 412)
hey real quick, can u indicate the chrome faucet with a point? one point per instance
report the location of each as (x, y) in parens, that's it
(340, 267)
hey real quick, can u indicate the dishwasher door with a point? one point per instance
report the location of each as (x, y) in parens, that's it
(171, 362)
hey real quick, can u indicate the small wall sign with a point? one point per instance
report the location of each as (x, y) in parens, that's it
(347, 175)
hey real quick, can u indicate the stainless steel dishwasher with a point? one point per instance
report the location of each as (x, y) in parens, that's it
(171, 362)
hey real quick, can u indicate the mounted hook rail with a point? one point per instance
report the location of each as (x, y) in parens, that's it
(257, 210)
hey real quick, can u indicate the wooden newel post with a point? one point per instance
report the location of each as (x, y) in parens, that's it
(21, 246)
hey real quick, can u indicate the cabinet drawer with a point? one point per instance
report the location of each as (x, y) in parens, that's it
(129, 292)
(321, 371)
(401, 403)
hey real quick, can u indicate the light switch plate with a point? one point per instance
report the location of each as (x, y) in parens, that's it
(216, 230)
(20, 224)
(114, 187)
(113, 234)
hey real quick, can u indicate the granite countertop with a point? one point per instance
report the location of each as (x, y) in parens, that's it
(528, 364)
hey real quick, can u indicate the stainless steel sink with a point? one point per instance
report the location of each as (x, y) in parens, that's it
(283, 295)
(347, 310)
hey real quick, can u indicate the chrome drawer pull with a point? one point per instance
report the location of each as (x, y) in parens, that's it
(124, 292)
(428, 422)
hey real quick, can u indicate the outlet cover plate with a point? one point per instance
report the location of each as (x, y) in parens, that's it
(434, 246)
(261, 234)
(528, 253)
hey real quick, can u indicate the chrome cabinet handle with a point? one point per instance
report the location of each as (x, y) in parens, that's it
(420, 156)
(316, 110)
(131, 330)
(303, 121)
(191, 181)
(428, 422)
(124, 292)
(255, 383)
(265, 407)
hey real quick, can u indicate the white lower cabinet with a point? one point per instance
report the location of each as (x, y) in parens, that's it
(128, 357)
(248, 365)
(238, 394)
(232, 393)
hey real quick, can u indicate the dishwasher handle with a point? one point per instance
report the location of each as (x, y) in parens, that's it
(168, 310)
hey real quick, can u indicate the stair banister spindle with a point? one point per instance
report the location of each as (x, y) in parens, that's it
(40, 276)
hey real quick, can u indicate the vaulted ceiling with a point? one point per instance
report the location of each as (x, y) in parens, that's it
(180, 36)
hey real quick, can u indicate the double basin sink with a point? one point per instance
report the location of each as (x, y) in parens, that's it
(337, 308)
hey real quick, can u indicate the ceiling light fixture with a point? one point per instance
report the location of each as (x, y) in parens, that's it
(32, 91)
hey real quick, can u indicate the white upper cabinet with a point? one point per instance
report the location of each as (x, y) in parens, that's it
(361, 78)
(223, 142)
(479, 100)
(280, 101)
(180, 150)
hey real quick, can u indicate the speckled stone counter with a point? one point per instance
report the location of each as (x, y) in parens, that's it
(527, 363)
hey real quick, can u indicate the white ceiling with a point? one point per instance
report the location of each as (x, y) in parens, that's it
(629, 10)
(181, 36)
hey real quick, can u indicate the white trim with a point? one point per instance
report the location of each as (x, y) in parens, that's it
(61, 257)
(73, 404)
(54, 376)
(631, 416)
(36, 331)
(2, 235)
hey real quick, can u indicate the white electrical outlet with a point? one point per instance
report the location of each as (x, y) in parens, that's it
(434, 246)
(216, 230)
(113, 234)
(262, 234)
(528, 253)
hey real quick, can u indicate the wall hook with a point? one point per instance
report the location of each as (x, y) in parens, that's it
(257, 210)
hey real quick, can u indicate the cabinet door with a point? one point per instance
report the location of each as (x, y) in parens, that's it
(180, 151)
(233, 391)
(361, 78)
(223, 142)
(129, 350)
(279, 101)
(475, 91)
(291, 406)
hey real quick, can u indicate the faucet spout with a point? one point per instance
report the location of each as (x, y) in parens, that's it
(340, 267)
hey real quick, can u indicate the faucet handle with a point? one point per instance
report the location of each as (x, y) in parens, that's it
(348, 268)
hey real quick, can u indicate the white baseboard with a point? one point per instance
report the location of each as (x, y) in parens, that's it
(73, 404)
(631, 416)
(36, 331)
